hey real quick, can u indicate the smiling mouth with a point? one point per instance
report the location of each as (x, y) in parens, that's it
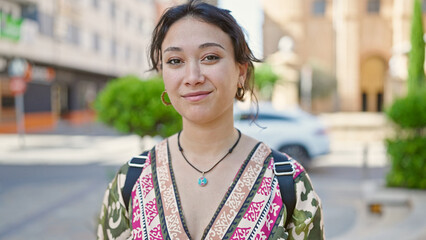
(196, 96)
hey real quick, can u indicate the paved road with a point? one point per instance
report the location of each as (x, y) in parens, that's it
(51, 201)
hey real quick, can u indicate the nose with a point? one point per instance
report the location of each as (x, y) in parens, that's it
(193, 75)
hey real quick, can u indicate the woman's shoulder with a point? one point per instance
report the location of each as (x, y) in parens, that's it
(137, 160)
(249, 142)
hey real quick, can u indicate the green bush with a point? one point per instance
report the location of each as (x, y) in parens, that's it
(407, 151)
(264, 80)
(134, 106)
(410, 111)
(408, 158)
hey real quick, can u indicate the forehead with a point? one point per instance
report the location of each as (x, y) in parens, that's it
(192, 32)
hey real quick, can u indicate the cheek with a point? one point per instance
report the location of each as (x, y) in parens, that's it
(170, 81)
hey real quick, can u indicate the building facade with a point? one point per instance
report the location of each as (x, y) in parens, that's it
(71, 49)
(363, 44)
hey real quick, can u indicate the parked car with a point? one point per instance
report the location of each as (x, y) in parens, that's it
(295, 132)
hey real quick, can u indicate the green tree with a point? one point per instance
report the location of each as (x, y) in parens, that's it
(132, 105)
(407, 149)
(417, 53)
(264, 80)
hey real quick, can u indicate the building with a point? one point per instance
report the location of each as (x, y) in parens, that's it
(71, 48)
(363, 44)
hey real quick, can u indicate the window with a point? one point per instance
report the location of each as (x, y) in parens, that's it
(7, 101)
(271, 117)
(127, 18)
(29, 12)
(95, 4)
(96, 42)
(265, 117)
(373, 6)
(139, 57)
(73, 34)
(140, 25)
(112, 9)
(113, 48)
(46, 24)
(364, 101)
(127, 53)
(379, 102)
(246, 116)
(318, 7)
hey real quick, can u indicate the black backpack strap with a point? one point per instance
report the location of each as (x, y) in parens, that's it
(284, 171)
(135, 168)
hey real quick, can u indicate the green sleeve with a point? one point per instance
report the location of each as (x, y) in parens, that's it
(307, 220)
(114, 220)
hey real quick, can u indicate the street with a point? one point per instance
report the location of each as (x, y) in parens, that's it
(51, 201)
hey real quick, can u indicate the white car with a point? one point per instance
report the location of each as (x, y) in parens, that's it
(297, 133)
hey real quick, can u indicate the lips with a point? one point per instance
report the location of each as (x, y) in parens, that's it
(196, 96)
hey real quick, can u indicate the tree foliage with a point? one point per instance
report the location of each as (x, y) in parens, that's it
(409, 112)
(408, 162)
(264, 80)
(416, 76)
(407, 150)
(132, 105)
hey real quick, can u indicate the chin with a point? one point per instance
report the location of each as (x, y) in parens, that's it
(198, 118)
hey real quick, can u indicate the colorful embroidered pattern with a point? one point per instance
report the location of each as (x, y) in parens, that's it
(240, 198)
(171, 211)
(252, 207)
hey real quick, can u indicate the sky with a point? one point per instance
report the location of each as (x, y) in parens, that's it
(249, 15)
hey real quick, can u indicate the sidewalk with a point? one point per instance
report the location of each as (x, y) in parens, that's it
(69, 144)
(400, 216)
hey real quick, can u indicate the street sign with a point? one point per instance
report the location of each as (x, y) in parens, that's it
(17, 67)
(17, 85)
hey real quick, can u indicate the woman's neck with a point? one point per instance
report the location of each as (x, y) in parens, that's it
(207, 141)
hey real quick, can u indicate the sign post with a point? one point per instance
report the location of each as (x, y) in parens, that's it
(20, 120)
(17, 69)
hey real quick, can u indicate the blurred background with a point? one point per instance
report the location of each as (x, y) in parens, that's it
(349, 73)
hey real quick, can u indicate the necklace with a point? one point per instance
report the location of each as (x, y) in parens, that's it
(202, 181)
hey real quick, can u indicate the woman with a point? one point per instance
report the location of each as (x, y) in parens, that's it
(209, 181)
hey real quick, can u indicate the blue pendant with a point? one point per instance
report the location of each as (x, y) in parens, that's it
(202, 181)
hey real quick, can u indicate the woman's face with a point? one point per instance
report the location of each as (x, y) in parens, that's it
(199, 70)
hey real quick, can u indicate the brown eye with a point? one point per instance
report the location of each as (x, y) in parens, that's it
(211, 58)
(174, 61)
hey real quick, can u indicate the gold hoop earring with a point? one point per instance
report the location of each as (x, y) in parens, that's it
(164, 100)
(240, 93)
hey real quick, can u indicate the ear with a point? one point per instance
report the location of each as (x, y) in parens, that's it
(242, 73)
(160, 62)
(160, 69)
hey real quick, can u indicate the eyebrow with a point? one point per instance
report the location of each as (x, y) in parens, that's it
(173, 49)
(210, 44)
(204, 45)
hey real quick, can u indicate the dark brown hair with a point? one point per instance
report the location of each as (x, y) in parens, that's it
(209, 14)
